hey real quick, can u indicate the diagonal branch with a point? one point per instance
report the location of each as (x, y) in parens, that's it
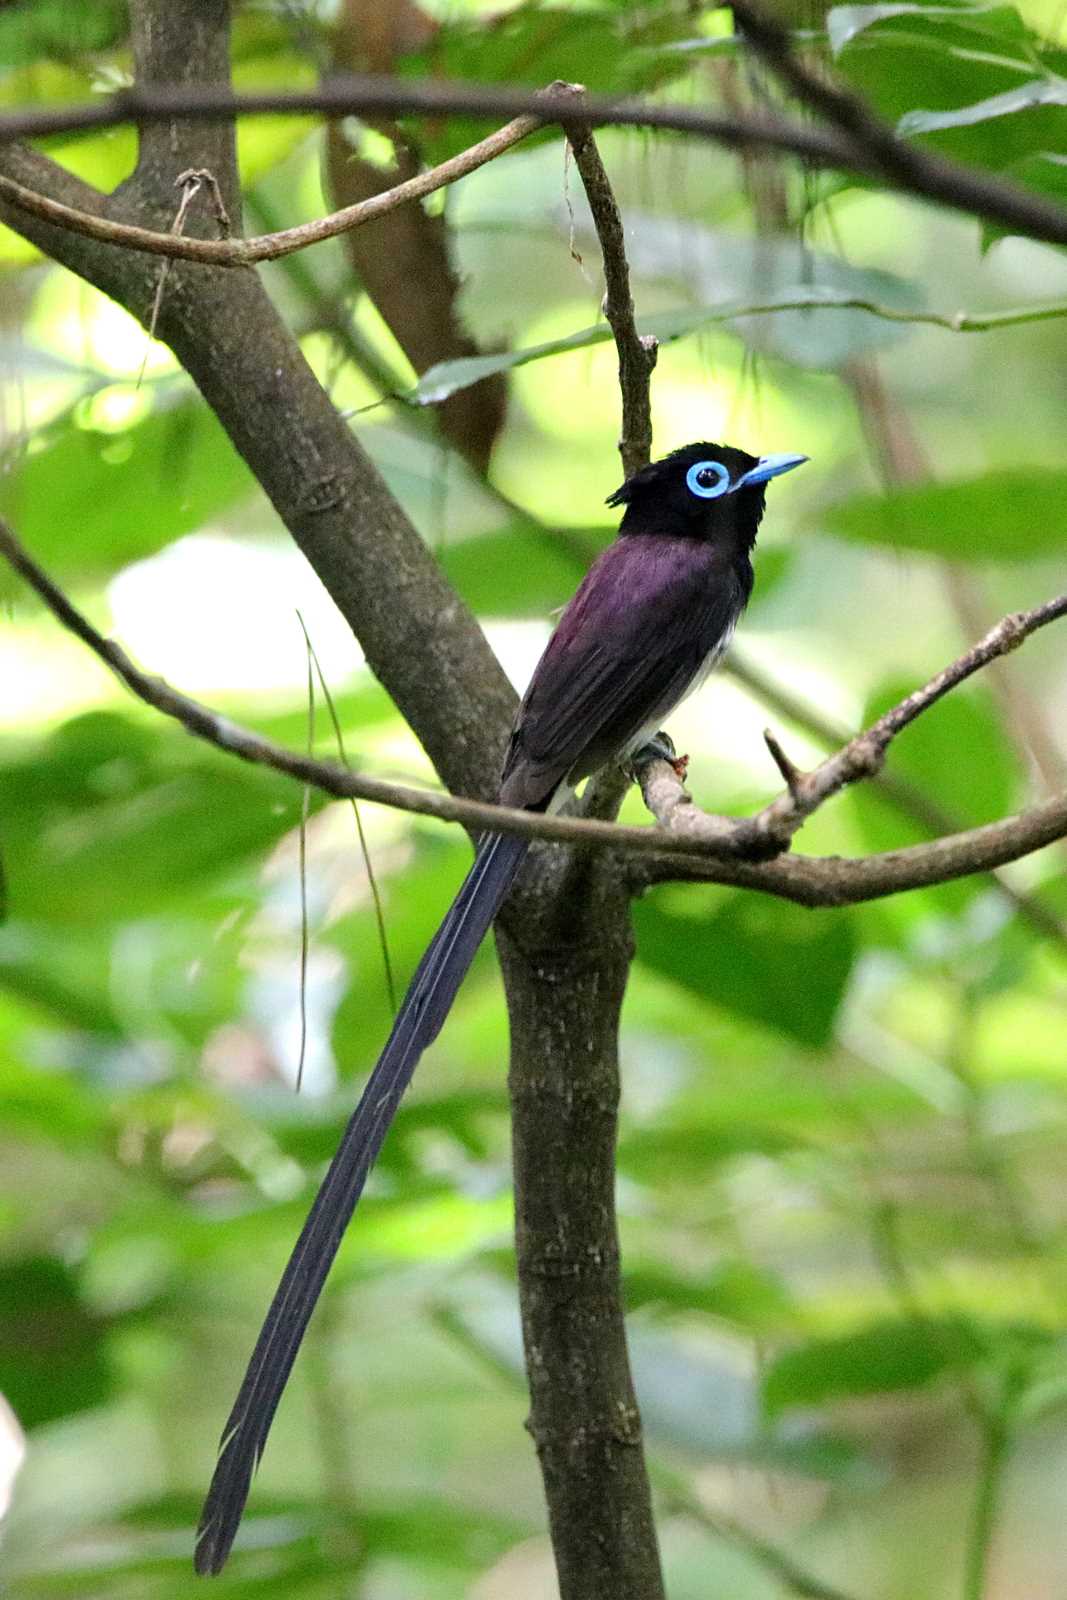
(843, 881)
(771, 829)
(637, 358)
(900, 163)
(929, 175)
(637, 354)
(267, 246)
(910, 801)
(695, 845)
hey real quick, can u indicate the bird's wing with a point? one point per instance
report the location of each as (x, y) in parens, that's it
(627, 648)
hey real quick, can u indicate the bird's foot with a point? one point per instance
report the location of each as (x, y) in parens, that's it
(661, 748)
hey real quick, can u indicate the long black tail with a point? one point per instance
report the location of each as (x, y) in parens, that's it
(425, 1007)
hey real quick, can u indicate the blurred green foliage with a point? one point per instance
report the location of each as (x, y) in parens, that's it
(844, 1133)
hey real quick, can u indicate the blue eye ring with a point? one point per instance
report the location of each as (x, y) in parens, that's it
(707, 490)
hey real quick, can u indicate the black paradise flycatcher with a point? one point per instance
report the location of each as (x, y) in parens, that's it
(652, 617)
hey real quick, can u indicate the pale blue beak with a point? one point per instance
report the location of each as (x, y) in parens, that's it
(768, 467)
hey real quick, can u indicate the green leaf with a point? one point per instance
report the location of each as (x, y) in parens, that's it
(778, 964)
(30, 29)
(846, 23)
(883, 1358)
(53, 1358)
(1045, 1390)
(1028, 96)
(956, 753)
(68, 981)
(957, 756)
(88, 502)
(107, 817)
(702, 1401)
(1010, 514)
(801, 311)
(954, 77)
(55, 1106)
(536, 44)
(1045, 173)
(523, 570)
(738, 1291)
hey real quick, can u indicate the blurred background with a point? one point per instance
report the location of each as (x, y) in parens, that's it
(844, 1134)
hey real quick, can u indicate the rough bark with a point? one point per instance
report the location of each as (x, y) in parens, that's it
(565, 948)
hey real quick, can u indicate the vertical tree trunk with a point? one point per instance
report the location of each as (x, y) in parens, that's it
(565, 951)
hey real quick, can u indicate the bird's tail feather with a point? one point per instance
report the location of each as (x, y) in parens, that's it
(418, 1022)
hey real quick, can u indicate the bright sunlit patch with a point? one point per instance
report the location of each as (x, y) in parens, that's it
(588, 377)
(348, 388)
(438, 1229)
(210, 612)
(12, 1453)
(86, 327)
(45, 677)
(114, 409)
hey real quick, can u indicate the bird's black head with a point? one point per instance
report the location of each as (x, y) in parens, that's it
(702, 491)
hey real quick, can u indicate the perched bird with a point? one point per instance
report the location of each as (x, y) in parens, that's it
(653, 615)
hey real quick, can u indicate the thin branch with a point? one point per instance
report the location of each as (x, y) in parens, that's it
(995, 1448)
(893, 441)
(839, 881)
(305, 811)
(909, 800)
(954, 321)
(228, 252)
(680, 1498)
(775, 825)
(897, 161)
(637, 354)
(364, 846)
(921, 172)
(637, 358)
(698, 845)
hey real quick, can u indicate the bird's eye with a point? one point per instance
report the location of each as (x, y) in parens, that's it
(707, 479)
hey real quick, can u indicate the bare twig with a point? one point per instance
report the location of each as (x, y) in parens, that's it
(834, 880)
(368, 864)
(190, 183)
(909, 800)
(902, 459)
(305, 811)
(227, 252)
(863, 755)
(796, 1579)
(637, 354)
(699, 845)
(924, 173)
(791, 774)
(896, 160)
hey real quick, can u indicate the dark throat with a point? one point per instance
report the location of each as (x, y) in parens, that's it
(727, 528)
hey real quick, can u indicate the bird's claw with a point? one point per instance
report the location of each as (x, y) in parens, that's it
(661, 748)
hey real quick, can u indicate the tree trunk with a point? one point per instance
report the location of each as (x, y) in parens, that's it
(565, 950)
